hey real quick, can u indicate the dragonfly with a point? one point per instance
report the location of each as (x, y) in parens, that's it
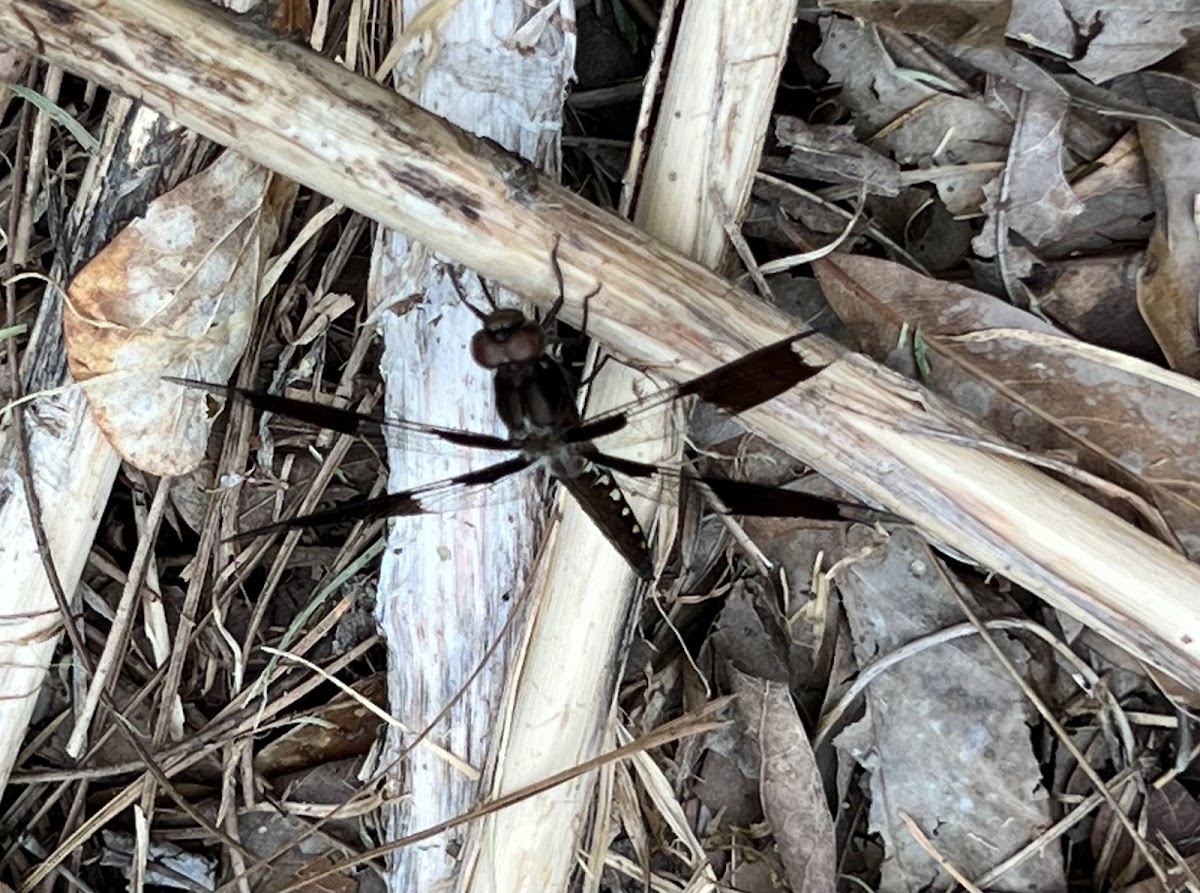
(535, 401)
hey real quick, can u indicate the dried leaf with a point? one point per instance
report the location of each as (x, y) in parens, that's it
(832, 155)
(945, 131)
(1174, 816)
(950, 21)
(1115, 199)
(1118, 417)
(1169, 285)
(173, 294)
(267, 832)
(793, 794)
(169, 864)
(1037, 202)
(1094, 299)
(952, 707)
(1178, 879)
(750, 638)
(1125, 37)
(929, 232)
(728, 791)
(342, 728)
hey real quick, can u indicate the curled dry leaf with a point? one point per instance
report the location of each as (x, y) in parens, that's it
(793, 794)
(169, 864)
(1170, 277)
(830, 153)
(1121, 418)
(173, 294)
(1171, 815)
(1088, 296)
(951, 707)
(339, 730)
(1116, 206)
(949, 21)
(931, 122)
(1035, 198)
(1044, 207)
(1111, 49)
(1107, 52)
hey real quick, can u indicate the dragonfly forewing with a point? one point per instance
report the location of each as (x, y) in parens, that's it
(742, 384)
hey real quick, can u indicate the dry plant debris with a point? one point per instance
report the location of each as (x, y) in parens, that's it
(174, 293)
(1020, 183)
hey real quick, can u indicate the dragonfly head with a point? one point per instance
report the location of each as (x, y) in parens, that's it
(507, 337)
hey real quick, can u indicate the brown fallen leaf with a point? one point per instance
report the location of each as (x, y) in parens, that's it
(1125, 37)
(1178, 879)
(1125, 420)
(1093, 298)
(312, 866)
(342, 728)
(1173, 816)
(831, 154)
(1169, 283)
(1034, 199)
(1115, 198)
(793, 795)
(173, 294)
(945, 734)
(977, 22)
(932, 123)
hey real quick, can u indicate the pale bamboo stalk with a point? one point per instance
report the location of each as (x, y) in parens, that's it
(280, 105)
(711, 125)
(443, 579)
(72, 477)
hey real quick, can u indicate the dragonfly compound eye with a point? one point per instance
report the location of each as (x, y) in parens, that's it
(496, 346)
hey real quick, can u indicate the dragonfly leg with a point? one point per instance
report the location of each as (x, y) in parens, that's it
(562, 286)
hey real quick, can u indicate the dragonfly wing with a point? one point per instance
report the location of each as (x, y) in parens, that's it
(761, 500)
(344, 421)
(739, 497)
(735, 387)
(427, 499)
(759, 376)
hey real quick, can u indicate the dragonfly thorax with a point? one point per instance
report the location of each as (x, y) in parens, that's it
(536, 403)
